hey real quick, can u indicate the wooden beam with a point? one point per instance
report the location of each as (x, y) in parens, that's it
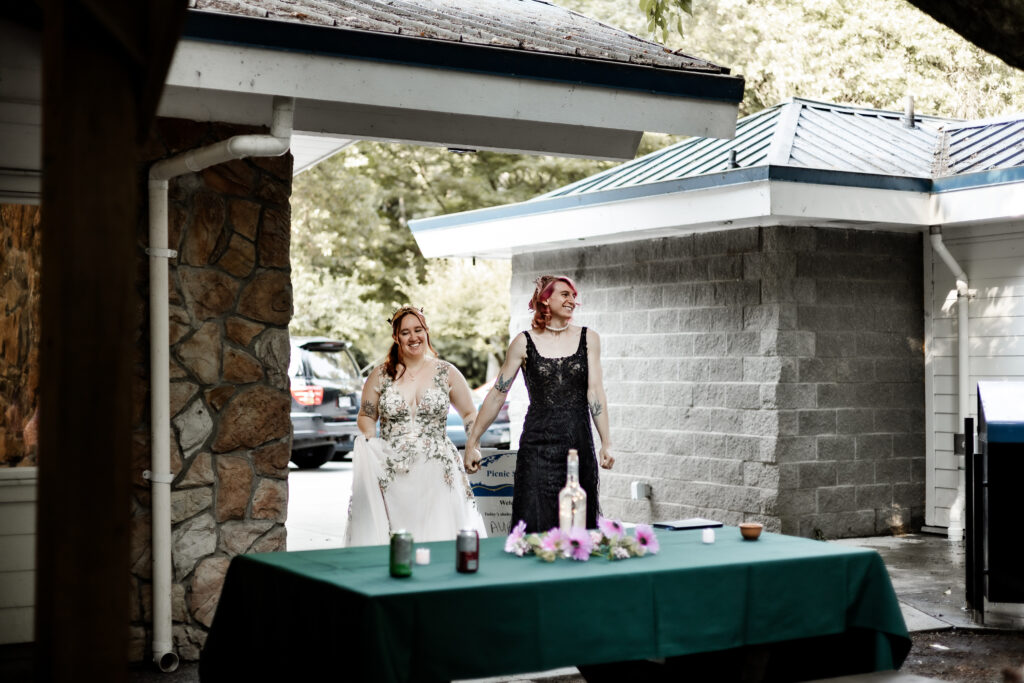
(90, 256)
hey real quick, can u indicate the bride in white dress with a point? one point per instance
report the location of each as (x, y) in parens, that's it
(411, 477)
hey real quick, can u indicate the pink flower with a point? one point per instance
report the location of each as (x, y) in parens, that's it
(612, 528)
(578, 544)
(646, 539)
(552, 540)
(516, 541)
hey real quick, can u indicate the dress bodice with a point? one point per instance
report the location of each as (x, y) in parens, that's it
(417, 433)
(557, 386)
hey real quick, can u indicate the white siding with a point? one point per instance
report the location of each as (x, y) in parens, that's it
(993, 258)
(17, 553)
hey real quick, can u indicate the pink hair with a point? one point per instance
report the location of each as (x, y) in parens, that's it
(544, 287)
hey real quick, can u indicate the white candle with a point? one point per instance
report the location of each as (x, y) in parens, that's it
(708, 536)
(422, 555)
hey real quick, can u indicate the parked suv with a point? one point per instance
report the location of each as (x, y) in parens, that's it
(325, 388)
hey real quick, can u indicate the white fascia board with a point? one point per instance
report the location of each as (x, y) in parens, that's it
(230, 68)
(643, 218)
(979, 204)
(822, 203)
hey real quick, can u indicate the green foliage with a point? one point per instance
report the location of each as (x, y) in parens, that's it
(855, 52)
(664, 16)
(354, 259)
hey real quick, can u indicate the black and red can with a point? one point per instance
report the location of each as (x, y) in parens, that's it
(467, 551)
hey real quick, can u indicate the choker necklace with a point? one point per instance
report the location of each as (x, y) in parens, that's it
(563, 328)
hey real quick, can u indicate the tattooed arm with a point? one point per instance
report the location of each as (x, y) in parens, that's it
(367, 419)
(462, 400)
(596, 398)
(496, 398)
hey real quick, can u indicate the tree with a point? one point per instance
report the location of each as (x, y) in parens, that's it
(354, 259)
(847, 51)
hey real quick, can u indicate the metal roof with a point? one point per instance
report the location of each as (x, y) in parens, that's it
(982, 146)
(807, 134)
(528, 25)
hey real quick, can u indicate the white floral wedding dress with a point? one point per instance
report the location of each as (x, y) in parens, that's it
(412, 477)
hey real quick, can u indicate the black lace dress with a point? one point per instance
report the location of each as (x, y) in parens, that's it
(558, 419)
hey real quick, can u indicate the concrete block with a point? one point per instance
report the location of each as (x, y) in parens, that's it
(680, 295)
(790, 343)
(725, 369)
(836, 448)
(855, 473)
(874, 496)
(761, 423)
(728, 267)
(743, 396)
(761, 475)
(796, 502)
(837, 499)
(899, 420)
(835, 345)
(874, 446)
(816, 422)
(710, 344)
(817, 474)
(816, 370)
(855, 370)
(789, 476)
(894, 470)
(743, 343)
(726, 241)
(908, 495)
(790, 238)
(855, 420)
(789, 396)
(780, 316)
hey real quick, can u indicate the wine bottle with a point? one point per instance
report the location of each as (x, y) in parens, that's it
(572, 500)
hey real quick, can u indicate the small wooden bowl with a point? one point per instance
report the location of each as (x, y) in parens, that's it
(751, 530)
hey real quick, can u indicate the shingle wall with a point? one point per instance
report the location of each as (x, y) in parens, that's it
(768, 374)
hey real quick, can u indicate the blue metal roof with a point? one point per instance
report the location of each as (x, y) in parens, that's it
(804, 134)
(983, 146)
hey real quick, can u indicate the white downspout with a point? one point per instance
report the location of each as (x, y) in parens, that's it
(955, 531)
(159, 474)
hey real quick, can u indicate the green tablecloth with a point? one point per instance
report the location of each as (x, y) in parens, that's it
(303, 613)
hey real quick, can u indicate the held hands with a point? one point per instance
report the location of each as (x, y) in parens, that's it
(471, 458)
(606, 458)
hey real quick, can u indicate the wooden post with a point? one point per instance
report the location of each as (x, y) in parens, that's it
(96, 91)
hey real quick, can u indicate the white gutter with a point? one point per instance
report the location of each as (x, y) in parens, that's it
(159, 474)
(955, 531)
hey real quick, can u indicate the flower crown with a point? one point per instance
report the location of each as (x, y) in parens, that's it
(403, 309)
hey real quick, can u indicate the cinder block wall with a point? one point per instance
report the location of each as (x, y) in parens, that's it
(768, 374)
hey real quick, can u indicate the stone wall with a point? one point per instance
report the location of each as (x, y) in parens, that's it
(230, 304)
(766, 374)
(20, 254)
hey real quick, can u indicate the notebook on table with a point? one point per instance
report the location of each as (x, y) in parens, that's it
(690, 523)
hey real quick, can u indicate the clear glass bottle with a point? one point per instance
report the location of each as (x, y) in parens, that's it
(572, 500)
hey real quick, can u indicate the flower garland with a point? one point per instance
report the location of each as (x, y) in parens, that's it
(608, 540)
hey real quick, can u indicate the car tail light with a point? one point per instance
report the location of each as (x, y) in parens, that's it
(309, 395)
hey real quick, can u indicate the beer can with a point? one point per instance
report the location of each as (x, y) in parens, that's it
(401, 553)
(467, 551)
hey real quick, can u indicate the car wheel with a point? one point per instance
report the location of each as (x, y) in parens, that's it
(311, 458)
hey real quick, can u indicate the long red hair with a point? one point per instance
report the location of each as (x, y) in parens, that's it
(543, 289)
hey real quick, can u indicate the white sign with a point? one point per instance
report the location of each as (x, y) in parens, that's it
(492, 485)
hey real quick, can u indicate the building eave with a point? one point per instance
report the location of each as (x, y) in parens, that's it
(764, 195)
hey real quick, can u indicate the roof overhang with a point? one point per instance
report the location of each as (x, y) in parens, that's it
(351, 84)
(366, 85)
(748, 197)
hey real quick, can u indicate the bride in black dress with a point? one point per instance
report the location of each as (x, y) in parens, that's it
(561, 363)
